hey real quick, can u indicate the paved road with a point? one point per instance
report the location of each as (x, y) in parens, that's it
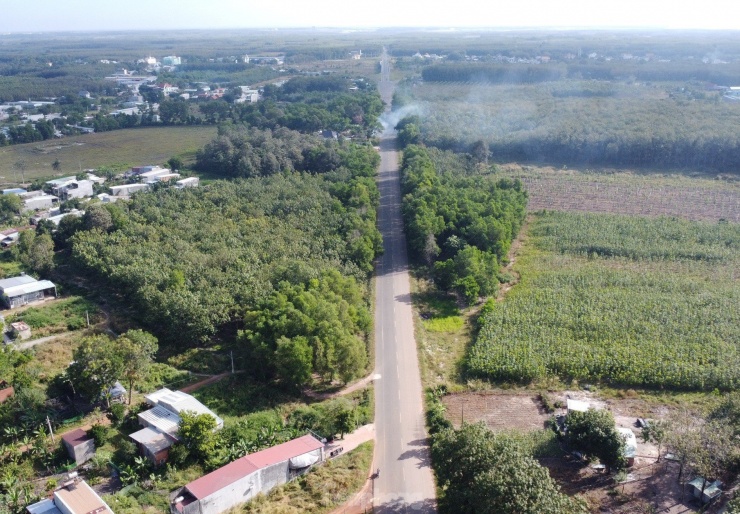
(405, 483)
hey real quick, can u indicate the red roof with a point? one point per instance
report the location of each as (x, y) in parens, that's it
(227, 475)
(76, 437)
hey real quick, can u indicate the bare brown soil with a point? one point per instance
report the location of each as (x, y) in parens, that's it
(498, 411)
(650, 486)
(701, 200)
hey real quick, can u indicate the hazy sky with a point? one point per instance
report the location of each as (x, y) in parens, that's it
(63, 15)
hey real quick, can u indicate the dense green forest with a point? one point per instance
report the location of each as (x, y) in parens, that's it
(632, 301)
(194, 262)
(584, 123)
(462, 226)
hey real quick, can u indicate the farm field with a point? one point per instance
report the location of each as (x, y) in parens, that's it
(130, 147)
(694, 198)
(628, 301)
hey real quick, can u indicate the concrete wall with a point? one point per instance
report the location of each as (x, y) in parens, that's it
(82, 452)
(239, 492)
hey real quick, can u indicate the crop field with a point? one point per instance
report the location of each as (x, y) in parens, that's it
(626, 193)
(629, 301)
(131, 147)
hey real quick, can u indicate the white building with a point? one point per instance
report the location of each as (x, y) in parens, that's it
(187, 182)
(171, 60)
(127, 189)
(162, 422)
(38, 200)
(74, 189)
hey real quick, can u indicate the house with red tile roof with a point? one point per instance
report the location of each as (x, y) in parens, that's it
(243, 479)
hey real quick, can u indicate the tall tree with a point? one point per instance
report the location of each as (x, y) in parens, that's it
(595, 435)
(96, 367)
(137, 349)
(483, 472)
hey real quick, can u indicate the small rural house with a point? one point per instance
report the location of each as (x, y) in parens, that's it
(74, 188)
(73, 497)
(9, 237)
(187, 182)
(38, 200)
(241, 480)
(711, 489)
(127, 189)
(20, 330)
(21, 290)
(79, 445)
(162, 422)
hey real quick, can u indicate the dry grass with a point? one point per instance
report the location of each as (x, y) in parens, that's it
(149, 145)
(321, 490)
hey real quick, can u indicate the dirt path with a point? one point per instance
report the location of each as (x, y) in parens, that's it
(206, 381)
(511, 256)
(360, 384)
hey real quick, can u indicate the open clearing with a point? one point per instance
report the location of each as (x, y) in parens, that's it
(693, 198)
(648, 483)
(130, 147)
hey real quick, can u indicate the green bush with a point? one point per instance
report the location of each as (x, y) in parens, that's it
(117, 413)
(99, 433)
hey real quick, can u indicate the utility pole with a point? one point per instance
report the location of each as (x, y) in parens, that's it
(87, 315)
(51, 431)
(232, 361)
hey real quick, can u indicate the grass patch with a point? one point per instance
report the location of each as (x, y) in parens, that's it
(321, 490)
(237, 396)
(449, 324)
(58, 316)
(146, 145)
(442, 333)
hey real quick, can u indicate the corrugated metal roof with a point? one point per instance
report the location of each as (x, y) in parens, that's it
(177, 401)
(227, 475)
(154, 441)
(161, 419)
(16, 281)
(28, 287)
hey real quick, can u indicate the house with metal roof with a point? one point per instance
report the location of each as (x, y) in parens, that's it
(243, 479)
(21, 290)
(73, 497)
(710, 489)
(162, 422)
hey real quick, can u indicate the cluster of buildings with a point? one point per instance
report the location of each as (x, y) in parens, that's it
(45, 203)
(214, 493)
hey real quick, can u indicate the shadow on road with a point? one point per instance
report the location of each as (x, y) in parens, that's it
(404, 298)
(405, 506)
(422, 455)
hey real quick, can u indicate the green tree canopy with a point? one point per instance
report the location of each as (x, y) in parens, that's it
(483, 472)
(594, 434)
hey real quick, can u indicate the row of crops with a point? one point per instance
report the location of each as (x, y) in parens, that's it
(597, 302)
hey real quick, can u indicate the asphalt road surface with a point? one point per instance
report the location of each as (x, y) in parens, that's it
(405, 483)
